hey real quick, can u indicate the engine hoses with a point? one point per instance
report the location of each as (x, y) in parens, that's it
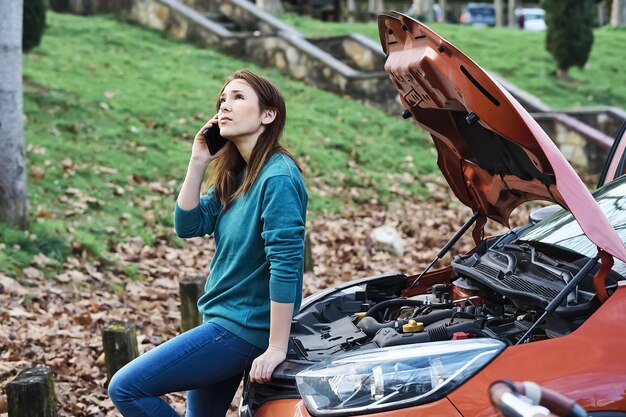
(372, 312)
(390, 337)
(370, 325)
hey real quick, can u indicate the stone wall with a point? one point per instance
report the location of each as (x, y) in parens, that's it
(182, 22)
(353, 50)
(606, 119)
(357, 72)
(253, 18)
(301, 60)
(583, 146)
(266, 41)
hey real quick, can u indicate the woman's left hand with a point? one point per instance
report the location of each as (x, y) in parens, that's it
(264, 365)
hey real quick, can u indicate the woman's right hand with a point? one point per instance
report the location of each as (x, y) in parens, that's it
(199, 149)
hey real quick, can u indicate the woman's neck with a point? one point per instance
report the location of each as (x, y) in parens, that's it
(246, 145)
(245, 149)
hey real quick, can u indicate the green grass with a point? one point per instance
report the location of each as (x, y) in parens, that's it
(111, 109)
(521, 58)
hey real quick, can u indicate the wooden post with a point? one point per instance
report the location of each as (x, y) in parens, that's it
(308, 254)
(31, 394)
(190, 292)
(119, 340)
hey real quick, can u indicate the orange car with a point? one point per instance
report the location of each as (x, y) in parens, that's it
(545, 302)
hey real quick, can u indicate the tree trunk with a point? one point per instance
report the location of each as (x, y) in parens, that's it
(563, 75)
(618, 12)
(430, 12)
(351, 11)
(418, 8)
(375, 6)
(422, 10)
(600, 7)
(511, 13)
(13, 201)
(497, 4)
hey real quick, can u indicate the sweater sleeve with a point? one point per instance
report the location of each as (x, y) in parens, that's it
(200, 220)
(283, 215)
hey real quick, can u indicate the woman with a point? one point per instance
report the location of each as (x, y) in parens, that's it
(256, 209)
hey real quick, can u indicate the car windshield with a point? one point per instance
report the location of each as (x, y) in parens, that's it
(561, 229)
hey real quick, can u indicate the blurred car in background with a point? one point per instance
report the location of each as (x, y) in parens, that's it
(479, 14)
(531, 18)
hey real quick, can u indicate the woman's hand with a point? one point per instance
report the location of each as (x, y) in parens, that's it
(264, 365)
(200, 150)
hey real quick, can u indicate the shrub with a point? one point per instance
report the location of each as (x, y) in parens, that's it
(570, 35)
(34, 21)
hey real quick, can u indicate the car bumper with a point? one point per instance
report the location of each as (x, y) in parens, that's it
(296, 408)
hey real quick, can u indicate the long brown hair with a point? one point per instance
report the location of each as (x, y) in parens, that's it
(230, 164)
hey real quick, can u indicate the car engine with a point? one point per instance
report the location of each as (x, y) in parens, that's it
(496, 292)
(506, 290)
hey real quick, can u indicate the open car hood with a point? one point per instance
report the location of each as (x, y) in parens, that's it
(490, 150)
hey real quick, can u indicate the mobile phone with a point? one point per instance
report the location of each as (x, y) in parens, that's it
(213, 139)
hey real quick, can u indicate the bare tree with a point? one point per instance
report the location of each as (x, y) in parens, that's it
(618, 12)
(13, 201)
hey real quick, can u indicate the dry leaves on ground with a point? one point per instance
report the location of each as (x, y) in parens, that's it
(57, 322)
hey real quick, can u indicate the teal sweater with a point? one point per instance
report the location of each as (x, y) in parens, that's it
(259, 250)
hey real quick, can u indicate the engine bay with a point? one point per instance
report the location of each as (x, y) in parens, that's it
(500, 291)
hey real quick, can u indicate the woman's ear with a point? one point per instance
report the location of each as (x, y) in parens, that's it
(268, 116)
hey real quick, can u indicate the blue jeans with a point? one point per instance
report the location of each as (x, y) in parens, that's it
(208, 362)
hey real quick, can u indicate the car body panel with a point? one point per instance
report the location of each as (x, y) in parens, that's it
(493, 154)
(615, 165)
(479, 14)
(440, 408)
(533, 18)
(284, 407)
(587, 365)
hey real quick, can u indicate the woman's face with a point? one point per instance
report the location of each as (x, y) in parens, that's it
(239, 114)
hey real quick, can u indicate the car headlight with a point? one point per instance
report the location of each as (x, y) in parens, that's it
(394, 377)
